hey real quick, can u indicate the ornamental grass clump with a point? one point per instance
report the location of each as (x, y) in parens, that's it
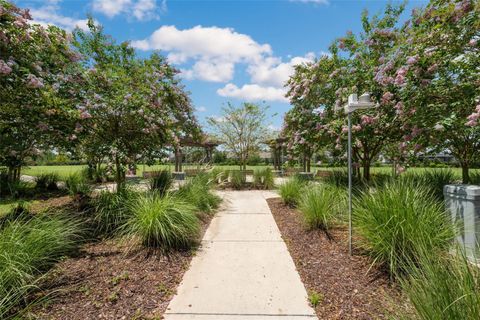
(163, 222)
(47, 182)
(398, 222)
(197, 192)
(263, 179)
(321, 206)
(433, 179)
(77, 185)
(238, 179)
(30, 246)
(161, 181)
(291, 191)
(111, 210)
(444, 286)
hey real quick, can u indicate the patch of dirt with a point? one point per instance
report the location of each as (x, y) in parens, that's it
(51, 203)
(107, 282)
(348, 287)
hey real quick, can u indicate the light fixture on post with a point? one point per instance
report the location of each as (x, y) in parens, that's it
(354, 103)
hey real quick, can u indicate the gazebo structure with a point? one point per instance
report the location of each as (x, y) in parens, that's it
(204, 141)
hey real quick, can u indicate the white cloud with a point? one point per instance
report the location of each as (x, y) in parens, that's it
(201, 109)
(48, 15)
(253, 92)
(271, 71)
(312, 1)
(141, 10)
(214, 50)
(213, 53)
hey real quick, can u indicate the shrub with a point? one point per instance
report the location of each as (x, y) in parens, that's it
(161, 181)
(444, 287)
(475, 177)
(396, 222)
(321, 205)
(111, 210)
(47, 181)
(97, 174)
(264, 179)
(77, 184)
(291, 191)
(238, 179)
(165, 222)
(28, 248)
(337, 178)
(434, 179)
(217, 175)
(197, 192)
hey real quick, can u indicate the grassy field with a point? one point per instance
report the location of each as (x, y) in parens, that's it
(64, 171)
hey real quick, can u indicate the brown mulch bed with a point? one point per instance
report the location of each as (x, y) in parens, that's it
(108, 281)
(349, 288)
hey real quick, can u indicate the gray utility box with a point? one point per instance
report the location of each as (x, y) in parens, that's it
(463, 202)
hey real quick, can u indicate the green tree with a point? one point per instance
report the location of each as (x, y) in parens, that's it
(242, 129)
(39, 77)
(133, 107)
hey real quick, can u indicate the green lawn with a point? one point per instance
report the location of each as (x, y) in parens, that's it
(64, 171)
(8, 204)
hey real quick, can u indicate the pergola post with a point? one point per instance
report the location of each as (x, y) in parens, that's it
(178, 174)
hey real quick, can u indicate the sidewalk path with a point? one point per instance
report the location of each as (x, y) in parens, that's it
(243, 269)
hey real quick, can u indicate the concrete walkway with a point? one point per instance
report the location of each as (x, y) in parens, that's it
(243, 269)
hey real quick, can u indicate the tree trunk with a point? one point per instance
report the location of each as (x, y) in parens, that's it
(308, 164)
(465, 173)
(366, 170)
(13, 174)
(119, 173)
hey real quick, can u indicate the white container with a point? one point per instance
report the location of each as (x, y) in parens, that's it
(463, 202)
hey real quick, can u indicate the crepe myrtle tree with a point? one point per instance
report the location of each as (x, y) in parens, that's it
(39, 77)
(353, 68)
(436, 71)
(242, 129)
(306, 125)
(133, 107)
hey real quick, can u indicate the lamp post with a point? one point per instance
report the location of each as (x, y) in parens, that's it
(354, 103)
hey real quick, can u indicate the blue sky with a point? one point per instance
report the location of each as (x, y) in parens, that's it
(227, 50)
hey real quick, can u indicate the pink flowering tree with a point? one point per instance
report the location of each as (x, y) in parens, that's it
(436, 73)
(132, 107)
(39, 75)
(306, 128)
(354, 68)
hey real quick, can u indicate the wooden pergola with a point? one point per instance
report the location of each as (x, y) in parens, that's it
(206, 142)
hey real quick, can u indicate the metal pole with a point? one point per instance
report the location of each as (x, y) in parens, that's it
(350, 183)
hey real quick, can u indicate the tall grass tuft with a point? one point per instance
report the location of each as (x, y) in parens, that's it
(197, 192)
(238, 179)
(47, 182)
(396, 222)
(291, 191)
(475, 177)
(434, 179)
(164, 222)
(111, 210)
(264, 179)
(322, 205)
(444, 287)
(161, 181)
(77, 184)
(29, 247)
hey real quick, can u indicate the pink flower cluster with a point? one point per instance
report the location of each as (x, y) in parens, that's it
(34, 82)
(473, 119)
(5, 69)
